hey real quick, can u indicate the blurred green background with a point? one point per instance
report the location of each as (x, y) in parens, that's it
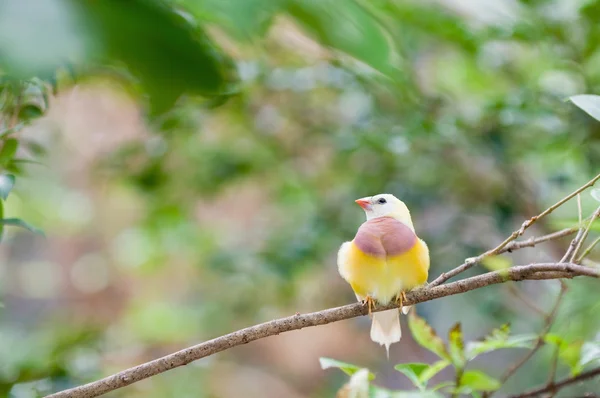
(193, 164)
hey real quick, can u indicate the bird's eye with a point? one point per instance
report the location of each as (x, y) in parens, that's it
(382, 201)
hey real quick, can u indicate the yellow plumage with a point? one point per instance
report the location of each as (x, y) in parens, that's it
(385, 278)
(385, 259)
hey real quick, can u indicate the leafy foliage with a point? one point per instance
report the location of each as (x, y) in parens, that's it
(22, 103)
(498, 339)
(350, 29)
(347, 368)
(454, 353)
(456, 346)
(299, 106)
(473, 382)
(426, 336)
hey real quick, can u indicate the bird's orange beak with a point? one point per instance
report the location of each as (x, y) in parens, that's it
(365, 203)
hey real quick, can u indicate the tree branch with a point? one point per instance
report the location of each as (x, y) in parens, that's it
(531, 242)
(501, 248)
(549, 318)
(184, 357)
(512, 246)
(561, 384)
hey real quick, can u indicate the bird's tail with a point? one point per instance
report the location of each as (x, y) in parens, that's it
(385, 328)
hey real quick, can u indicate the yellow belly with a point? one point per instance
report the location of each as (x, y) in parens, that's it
(384, 278)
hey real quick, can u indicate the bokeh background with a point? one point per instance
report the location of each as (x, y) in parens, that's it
(193, 164)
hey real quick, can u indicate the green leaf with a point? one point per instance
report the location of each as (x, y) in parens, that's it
(554, 339)
(479, 381)
(347, 368)
(244, 19)
(378, 392)
(569, 353)
(9, 148)
(434, 21)
(7, 182)
(432, 370)
(17, 222)
(426, 336)
(160, 48)
(590, 104)
(32, 104)
(413, 371)
(457, 346)
(29, 112)
(348, 27)
(499, 339)
(443, 384)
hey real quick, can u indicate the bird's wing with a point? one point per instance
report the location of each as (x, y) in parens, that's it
(343, 258)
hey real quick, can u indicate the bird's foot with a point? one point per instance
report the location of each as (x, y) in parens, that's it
(370, 303)
(400, 298)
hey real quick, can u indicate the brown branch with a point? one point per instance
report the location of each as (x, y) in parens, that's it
(571, 249)
(512, 246)
(549, 318)
(531, 242)
(576, 242)
(499, 249)
(561, 384)
(185, 356)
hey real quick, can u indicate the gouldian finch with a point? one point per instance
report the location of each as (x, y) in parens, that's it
(385, 259)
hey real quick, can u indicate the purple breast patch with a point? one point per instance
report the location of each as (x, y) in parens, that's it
(384, 236)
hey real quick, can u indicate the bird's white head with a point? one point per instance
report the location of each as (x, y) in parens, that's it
(386, 205)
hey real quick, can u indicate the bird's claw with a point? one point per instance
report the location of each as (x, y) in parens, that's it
(370, 303)
(401, 298)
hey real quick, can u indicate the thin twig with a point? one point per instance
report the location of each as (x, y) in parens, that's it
(585, 233)
(190, 354)
(531, 242)
(576, 241)
(571, 249)
(516, 245)
(587, 251)
(549, 319)
(557, 386)
(472, 261)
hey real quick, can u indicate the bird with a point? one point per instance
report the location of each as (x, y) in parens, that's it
(385, 259)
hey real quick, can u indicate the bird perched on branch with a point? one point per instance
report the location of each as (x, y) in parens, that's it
(384, 260)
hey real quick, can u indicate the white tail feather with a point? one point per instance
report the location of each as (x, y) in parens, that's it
(385, 328)
(405, 309)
